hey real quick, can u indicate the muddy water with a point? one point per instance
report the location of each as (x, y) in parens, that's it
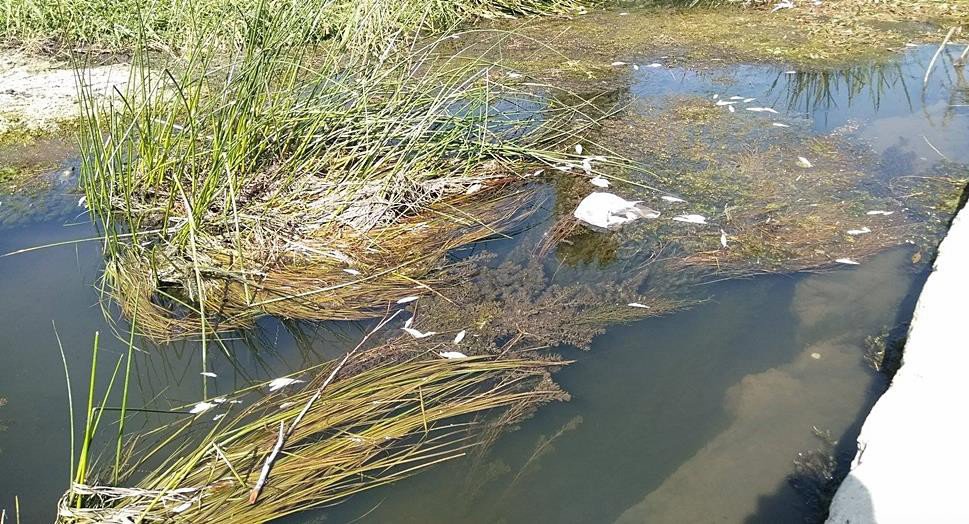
(694, 417)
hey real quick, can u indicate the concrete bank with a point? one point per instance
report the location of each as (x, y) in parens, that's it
(912, 464)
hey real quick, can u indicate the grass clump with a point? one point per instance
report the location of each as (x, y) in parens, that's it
(267, 182)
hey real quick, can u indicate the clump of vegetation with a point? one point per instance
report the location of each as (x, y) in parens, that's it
(268, 182)
(815, 476)
(119, 26)
(368, 420)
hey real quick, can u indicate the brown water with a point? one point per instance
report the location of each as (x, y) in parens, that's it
(694, 417)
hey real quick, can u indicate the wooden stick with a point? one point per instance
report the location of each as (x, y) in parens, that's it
(264, 474)
(935, 57)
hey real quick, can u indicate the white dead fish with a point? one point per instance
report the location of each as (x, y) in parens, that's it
(407, 299)
(460, 336)
(409, 322)
(617, 64)
(219, 416)
(452, 354)
(879, 212)
(749, 100)
(208, 374)
(472, 189)
(716, 96)
(201, 407)
(587, 165)
(783, 4)
(279, 383)
(723, 238)
(736, 98)
(578, 149)
(790, 72)
(599, 181)
(637, 304)
(672, 199)
(81, 201)
(778, 124)
(762, 109)
(609, 211)
(691, 219)
(847, 261)
(655, 65)
(732, 110)
(565, 168)
(623, 14)
(856, 232)
(418, 334)
(350, 271)
(184, 506)
(803, 162)
(636, 67)
(725, 102)
(512, 74)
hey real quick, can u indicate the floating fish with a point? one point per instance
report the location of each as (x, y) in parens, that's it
(637, 304)
(691, 219)
(460, 336)
(723, 238)
(736, 98)
(578, 149)
(565, 168)
(784, 4)
(655, 65)
(716, 96)
(201, 407)
(512, 74)
(762, 109)
(452, 354)
(587, 165)
(803, 162)
(636, 67)
(790, 72)
(407, 299)
(672, 199)
(778, 124)
(847, 261)
(609, 211)
(219, 416)
(623, 14)
(208, 374)
(749, 100)
(418, 334)
(618, 64)
(473, 188)
(879, 212)
(350, 271)
(599, 182)
(280, 383)
(862, 231)
(732, 110)
(725, 103)
(81, 201)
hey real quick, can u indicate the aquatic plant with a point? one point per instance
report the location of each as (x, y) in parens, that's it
(274, 182)
(364, 421)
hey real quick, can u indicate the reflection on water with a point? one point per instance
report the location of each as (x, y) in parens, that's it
(694, 417)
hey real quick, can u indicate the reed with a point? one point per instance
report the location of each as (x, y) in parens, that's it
(274, 181)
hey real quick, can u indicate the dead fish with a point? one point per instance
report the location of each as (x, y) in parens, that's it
(350, 271)
(879, 212)
(512, 74)
(790, 72)
(749, 100)
(672, 199)
(725, 103)
(587, 165)
(803, 162)
(732, 110)
(691, 219)
(460, 336)
(847, 261)
(716, 96)
(473, 188)
(723, 238)
(637, 304)
(452, 354)
(565, 168)
(862, 231)
(201, 407)
(578, 149)
(599, 182)
(417, 334)
(762, 109)
(279, 383)
(407, 299)
(219, 416)
(635, 67)
(409, 322)
(208, 374)
(618, 64)
(624, 14)
(778, 124)
(784, 4)
(736, 98)
(654, 65)
(608, 211)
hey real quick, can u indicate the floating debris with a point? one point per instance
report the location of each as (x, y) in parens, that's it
(599, 181)
(609, 211)
(672, 199)
(201, 407)
(452, 354)
(405, 300)
(862, 231)
(418, 334)
(460, 336)
(816, 356)
(691, 219)
(723, 238)
(279, 383)
(350, 271)
(762, 109)
(847, 261)
(208, 374)
(880, 212)
(803, 162)
(637, 304)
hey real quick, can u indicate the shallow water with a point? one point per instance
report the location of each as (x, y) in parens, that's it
(694, 417)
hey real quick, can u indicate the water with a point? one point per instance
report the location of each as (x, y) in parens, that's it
(693, 417)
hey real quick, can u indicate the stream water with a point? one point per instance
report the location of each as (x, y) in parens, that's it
(694, 417)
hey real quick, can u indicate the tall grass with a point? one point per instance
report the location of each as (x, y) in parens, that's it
(379, 421)
(265, 180)
(117, 25)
